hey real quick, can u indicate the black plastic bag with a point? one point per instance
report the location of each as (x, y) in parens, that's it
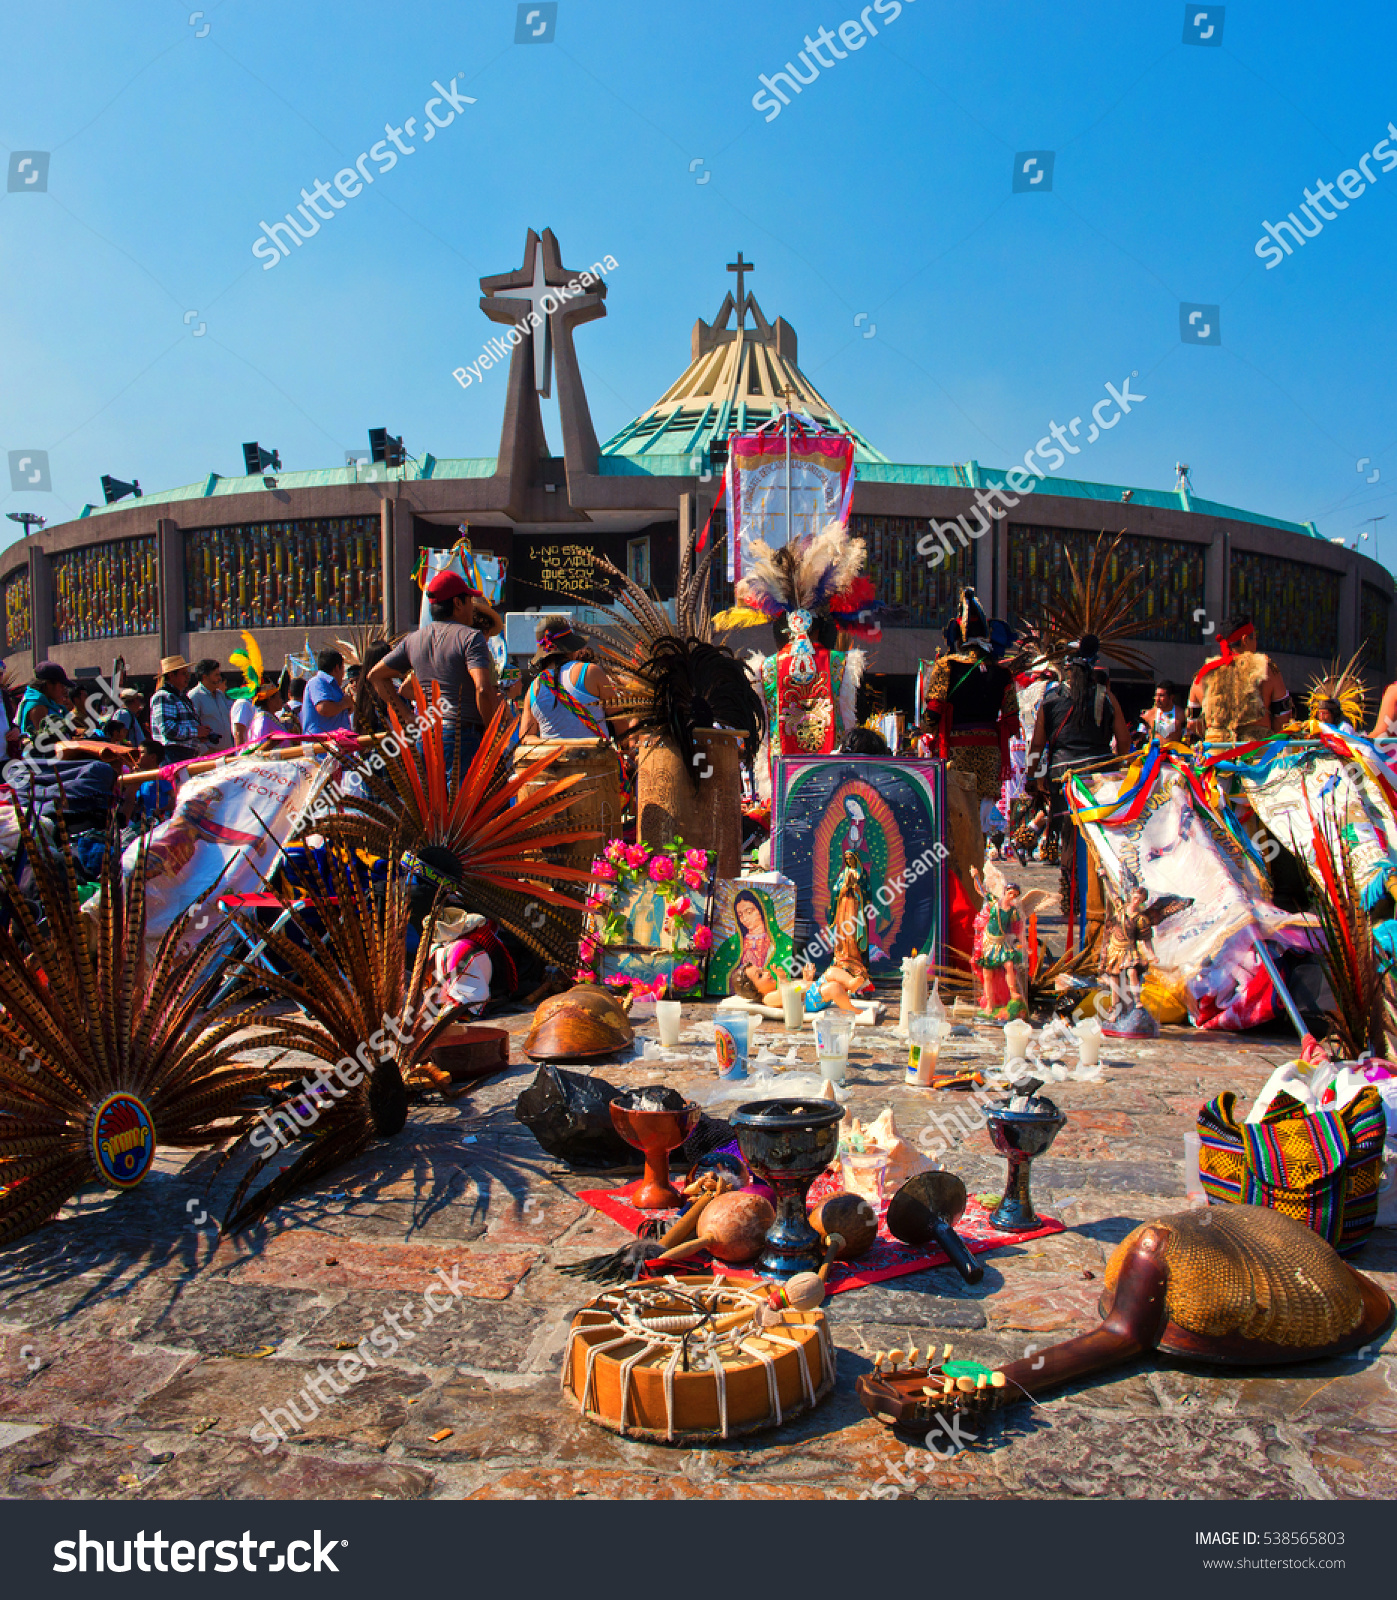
(569, 1114)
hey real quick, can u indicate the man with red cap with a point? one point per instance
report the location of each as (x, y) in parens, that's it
(451, 651)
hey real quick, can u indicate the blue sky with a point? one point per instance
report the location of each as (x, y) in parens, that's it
(884, 189)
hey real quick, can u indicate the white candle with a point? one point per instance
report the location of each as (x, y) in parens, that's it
(667, 1015)
(1016, 1036)
(792, 1005)
(1089, 1042)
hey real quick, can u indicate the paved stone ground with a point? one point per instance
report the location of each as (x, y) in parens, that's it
(138, 1352)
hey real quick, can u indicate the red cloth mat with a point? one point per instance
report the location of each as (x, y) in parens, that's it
(889, 1258)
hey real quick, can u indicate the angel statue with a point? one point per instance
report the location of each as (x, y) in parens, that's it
(999, 961)
(1127, 951)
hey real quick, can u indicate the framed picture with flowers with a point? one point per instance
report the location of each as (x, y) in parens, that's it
(648, 924)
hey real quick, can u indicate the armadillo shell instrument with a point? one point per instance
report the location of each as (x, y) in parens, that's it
(1237, 1285)
(1250, 1285)
(583, 1024)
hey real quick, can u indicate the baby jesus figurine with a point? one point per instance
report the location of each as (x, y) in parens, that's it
(836, 987)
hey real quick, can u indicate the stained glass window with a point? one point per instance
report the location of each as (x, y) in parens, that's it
(1376, 607)
(922, 596)
(107, 590)
(317, 572)
(1173, 575)
(1295, 606)
(19, 633)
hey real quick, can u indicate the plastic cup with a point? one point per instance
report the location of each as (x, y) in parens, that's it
(924, 1050)
(792, 1005)
(667, 1016)
(730, 1036)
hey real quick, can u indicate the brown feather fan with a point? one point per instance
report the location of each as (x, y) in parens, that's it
(105, 1054)
(343, 962)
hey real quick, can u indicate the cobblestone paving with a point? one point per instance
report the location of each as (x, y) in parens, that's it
(138, 1351)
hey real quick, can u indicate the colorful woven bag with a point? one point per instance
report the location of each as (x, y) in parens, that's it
(1322, 1168)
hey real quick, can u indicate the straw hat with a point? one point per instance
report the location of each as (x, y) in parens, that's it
(169, 664)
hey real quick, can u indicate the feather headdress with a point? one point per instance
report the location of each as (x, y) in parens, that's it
(1100, 600)
(809, 575)
(674, 676)
(248, 661)
(1344, 686)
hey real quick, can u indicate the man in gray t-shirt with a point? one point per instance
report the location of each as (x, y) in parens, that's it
(448, 651)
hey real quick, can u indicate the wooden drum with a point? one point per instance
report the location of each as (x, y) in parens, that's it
(706, 816)
(594, 804)
(686, 1360)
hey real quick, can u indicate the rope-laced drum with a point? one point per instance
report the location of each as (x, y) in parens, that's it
(683, 1360)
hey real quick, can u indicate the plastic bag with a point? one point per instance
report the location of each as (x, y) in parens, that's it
(569, 1114)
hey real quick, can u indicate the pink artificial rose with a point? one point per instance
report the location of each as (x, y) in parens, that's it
(703, 937)
(637, 855)
(616, 851)
(686, 975)
(661, 869)
(696, 860)
(583, 975)
(693, 879)
(587, 951)
(596, 902)
(680, 907)
(616, 981)
(604, 870)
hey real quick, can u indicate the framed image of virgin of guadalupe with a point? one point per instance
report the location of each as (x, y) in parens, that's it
(861, 838)
(753, 934)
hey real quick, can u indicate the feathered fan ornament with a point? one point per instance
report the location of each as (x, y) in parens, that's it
(105, 1053)
(494, 822)
(1099, 601)
(343, 962)
(674, 676)
(1350, 956)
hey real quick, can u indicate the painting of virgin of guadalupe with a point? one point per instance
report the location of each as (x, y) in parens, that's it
(861, 839)
(753, 923)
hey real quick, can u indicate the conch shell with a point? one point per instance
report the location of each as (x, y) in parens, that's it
(904, 1161)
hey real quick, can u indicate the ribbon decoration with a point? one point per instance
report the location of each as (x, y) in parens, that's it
(1228, 654)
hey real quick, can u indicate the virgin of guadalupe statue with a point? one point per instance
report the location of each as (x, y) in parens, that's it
(852, 909)
(753, 960)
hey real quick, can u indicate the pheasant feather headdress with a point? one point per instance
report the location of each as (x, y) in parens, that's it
(1098, 602)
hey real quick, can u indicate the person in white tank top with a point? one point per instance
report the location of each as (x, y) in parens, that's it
(566, 699)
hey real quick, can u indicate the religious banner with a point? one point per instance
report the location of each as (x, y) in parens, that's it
(1346, 777)
(821, 486)
(225, 835)
(881, 819)
(753, 926)
(478, 569)
(1155, 826)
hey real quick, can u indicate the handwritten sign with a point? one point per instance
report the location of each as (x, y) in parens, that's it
(566, 569)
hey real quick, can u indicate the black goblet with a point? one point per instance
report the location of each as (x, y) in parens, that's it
(1021, 1127)
(788, 1144)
